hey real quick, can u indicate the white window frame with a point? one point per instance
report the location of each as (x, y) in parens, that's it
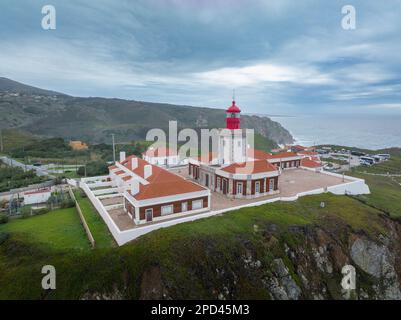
(195, 205)
(257, 190)
(242, 188)
(170, 206)
(271, 184)
(184, 206)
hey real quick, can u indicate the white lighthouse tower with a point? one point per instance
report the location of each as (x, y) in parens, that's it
(232, 144)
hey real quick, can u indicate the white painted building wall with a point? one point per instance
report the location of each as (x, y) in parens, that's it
(35, 198)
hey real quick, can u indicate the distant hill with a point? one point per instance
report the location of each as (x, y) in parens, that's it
(52, 114)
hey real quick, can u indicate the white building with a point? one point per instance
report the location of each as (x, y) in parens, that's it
(161, 156)
(37, 196)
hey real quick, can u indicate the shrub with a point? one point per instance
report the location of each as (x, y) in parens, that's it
(3, 218)
(3, 237)
(67, 204)
(26, 212)
(41, 211)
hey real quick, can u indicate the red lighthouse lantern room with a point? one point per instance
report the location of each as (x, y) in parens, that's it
(233, 117)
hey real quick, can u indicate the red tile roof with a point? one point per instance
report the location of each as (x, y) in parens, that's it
(305, 162)
(283, 155)
(161, 182)
(250, 167)
(258, 154)
(308, 153)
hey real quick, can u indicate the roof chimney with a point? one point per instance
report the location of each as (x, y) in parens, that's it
(147, 171)
(134, 187)
(122, 156)
(134, 163)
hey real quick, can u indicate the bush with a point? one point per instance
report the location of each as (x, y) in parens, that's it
(67, 204)
(26, 212)
(3, 218)
(40, 211)
(3, 237)
(94, 168)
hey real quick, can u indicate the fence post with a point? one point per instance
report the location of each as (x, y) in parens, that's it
(83, 221)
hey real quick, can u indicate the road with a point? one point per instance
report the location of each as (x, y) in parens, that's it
(26, 167)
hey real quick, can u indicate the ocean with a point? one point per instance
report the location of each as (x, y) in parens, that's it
(363, 131)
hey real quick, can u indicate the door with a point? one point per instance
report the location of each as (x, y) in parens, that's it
(149, 215)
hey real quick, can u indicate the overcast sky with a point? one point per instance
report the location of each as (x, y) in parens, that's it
(282, 57)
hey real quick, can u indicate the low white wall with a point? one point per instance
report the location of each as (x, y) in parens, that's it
(356, 186)
(115, 231)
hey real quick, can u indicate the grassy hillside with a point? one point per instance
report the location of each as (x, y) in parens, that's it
(385, 185)
(95, 119)
(191, 260)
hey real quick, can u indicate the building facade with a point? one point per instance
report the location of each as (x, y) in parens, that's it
(151, 193)
(235, 170)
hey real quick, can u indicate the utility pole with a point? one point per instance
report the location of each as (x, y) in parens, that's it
(114, 148)
(349, 160)
(1, 141)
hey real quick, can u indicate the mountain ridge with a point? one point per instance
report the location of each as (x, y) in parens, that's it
(49, 113)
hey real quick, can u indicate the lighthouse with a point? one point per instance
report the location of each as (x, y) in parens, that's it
(233, 117)
(232, 139)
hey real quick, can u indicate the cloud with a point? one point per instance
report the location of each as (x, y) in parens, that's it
(264, 72)
(280, 56)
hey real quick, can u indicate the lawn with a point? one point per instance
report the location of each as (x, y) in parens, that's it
(392, 166)
(60, 229)
(98, 228)
(385, 193)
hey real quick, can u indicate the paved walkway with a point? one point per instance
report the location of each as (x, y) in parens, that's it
(291, 182)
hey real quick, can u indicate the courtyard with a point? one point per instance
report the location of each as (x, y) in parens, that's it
(291, 182)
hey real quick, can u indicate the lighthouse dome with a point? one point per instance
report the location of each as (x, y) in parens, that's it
(233, 108)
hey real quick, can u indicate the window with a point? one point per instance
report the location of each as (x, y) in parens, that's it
(239, 143)
(218, 183)
(197, 204)
(271, 184)
(257, 186)
(184, 206)
(167, 209)
(239, 188)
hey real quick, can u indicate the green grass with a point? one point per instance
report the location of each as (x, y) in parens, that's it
(58, 230)
(98, 228)
(13, 138)
(385, 193)
(392, 166)
(188, 254)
